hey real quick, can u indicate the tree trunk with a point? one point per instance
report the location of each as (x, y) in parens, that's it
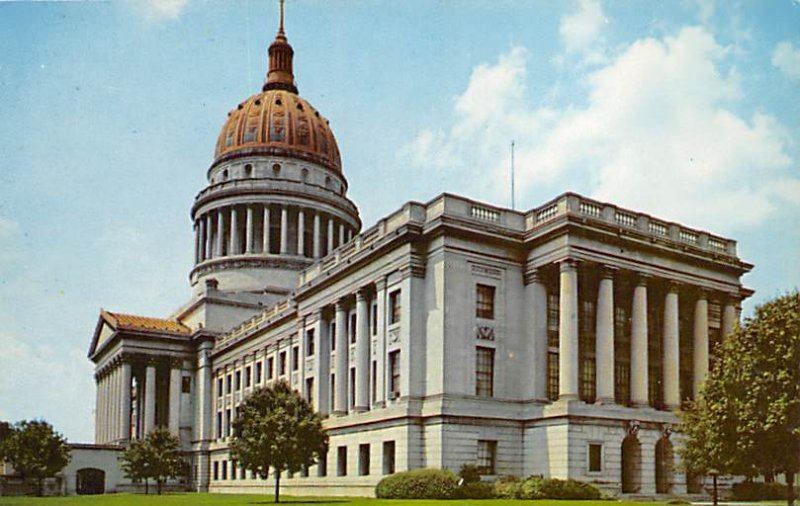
(277, 485)
(40, 487)
(158, 485)
(790, 492)
(146, 486)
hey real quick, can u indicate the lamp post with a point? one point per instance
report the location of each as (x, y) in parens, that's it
(714, 473)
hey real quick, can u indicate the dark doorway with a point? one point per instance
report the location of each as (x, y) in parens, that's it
(631, 465)
(90, 481)
(663, 466)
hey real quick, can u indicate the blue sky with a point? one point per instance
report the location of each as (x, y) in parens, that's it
(109, 112)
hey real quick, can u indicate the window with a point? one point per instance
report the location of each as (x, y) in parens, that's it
(484, 301)
(310, 390)
(333, 392)
(248, 380)
(282, 364)
(352, 328)
(587, 346)
(224, 469)
(227, 422)
(333, 336)
(219, 424)
(484, 371)
(622, 351)
(238, 380)
(186, 384)
(595, 457)
(341, 461)
(394, 378)
(322, 464)
(216, 470)
(352, 388)
(259, 372)
(388, 457)
(248, 170)
(487, 456)
(228, 384)
(270, 367)
(374, 382)
(714, 329)
(374, 320)
(295, 358)
(219, 387)
(552, 376)
(310, 343)
(552, 345)
(233, 469)
(394, 307)
(363, 459)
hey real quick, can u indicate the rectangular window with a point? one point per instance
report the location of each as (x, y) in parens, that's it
(224, 469)
(270, 367)
(363, 459)
(484, 371)
(248, 379)
(374, 382)
(352, 328)
(487, 456)
(219, 387)
(553, 314)
(219, 424)
(295, 358)
(216, 470)
(622, 350)
(227, 423)
(352, 387)
(388, 457)
(310, 390)
(595, 457)
(228, 383)
(322, 464)
(484, 301)
(341, 461)
(394, 307)
(374, 320)
(587, 344)
(333, 392)
(233, 469)
(186, 385)
(552, 376)
(333, 336)
(259, 372)
(310, 343)
(282, 364)
(714, 329)
(238, 380)
(394, 378)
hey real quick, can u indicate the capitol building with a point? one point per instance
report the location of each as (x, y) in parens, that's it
(557, 341)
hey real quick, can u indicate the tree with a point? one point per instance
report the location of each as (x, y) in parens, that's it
(157, 457)
(747, 420)
(276, 428)
(5, 431)
(35, 450)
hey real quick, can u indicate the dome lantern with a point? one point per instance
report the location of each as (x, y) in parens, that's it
(281, 54)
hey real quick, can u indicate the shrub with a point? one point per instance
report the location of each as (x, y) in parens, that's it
(475, 490)
(540, 488)
(470, 473)
(508, 487)
(418, 484)
(757, 491)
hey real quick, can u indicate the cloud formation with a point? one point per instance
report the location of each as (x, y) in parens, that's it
(581, 32)
(786, 57)
(161, 10)
(659, 133)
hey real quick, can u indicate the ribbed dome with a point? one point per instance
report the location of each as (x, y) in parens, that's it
(278, 122)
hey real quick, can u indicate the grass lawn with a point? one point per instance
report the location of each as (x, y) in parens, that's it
(249, 500)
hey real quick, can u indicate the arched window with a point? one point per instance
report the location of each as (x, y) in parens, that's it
(304, 174)
(225, 174)
(248, 170)
(276, 169)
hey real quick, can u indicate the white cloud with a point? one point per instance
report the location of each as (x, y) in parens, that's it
(659, 133)
(787, 58)
(160, 10)
(581, 32)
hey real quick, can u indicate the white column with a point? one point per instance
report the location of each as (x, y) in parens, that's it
(220, 232)
(639, 357)
(341, 234)
(196, 228)
(201, 252)
(729, 318)
(671, 359)
(204, 397)
(317, 236)
(380, 352)
(97, 406)
(284, 248)
(341, 369)
(265, 237)
(301, 232)
(115, 405)
(101, 406)
(605, 338)
(175, 399)
(322, 368)
(700, 342)
(209, 244)
(234, 245)
(149, 399)
(330, 234)
(249, 232)
(126, 401)
(536, 335)
(568, 332)
(362, 352)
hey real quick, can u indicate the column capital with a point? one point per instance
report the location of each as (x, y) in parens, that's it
(533, 275)
(362, 293)
(380, 283)
(569, 264)
(673, 286)
(340, 304)
(641, 278)
(608, 271)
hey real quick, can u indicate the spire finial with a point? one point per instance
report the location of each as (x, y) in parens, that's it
(279, 75)
(280, 29)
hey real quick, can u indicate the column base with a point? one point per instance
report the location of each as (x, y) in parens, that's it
(379, 404)
(336, 412)
(605, 401)
(640, 404)
(360, 409)
(569, 398)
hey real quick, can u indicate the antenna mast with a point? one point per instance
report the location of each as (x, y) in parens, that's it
(512, 174)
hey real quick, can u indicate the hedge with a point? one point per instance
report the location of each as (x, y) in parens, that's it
(758, 491)
(418, 484)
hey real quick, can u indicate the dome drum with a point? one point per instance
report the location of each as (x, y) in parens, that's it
(279, 169)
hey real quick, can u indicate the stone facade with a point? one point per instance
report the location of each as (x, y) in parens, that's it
(556, 341)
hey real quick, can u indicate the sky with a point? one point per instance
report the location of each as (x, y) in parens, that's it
(109, 111)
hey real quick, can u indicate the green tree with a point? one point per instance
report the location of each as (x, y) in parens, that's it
(747, 420)
(276, 428)
(5, 431)
(35, 450)
(157, 457)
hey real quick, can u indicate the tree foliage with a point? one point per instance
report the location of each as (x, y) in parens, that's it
(747, 420)
(276, 428)
(156, 457)
(34, 449)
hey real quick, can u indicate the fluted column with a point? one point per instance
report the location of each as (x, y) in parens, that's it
(671, 361)
(196, 228)
(126, 401)
(234, 248)
(605, 338)
(362, 352)
(249, 232)
(265, 237)
(317, 236)
(202, 245)
(639, 357)
(729, 318)
(97, 406)
(101, 406)
(284, 248)
(568, 331)
(175, 398)
(341, 234)
(149, 399)
(301, 232)
(380, 352)
(220, 232)
(322, 367)
(115, 404)
(330, 234)
(536, 334)
(204, 396)
(340, 399)
(209, 236)
(700, 342)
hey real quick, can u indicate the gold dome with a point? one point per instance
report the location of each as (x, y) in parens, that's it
(278, 122)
